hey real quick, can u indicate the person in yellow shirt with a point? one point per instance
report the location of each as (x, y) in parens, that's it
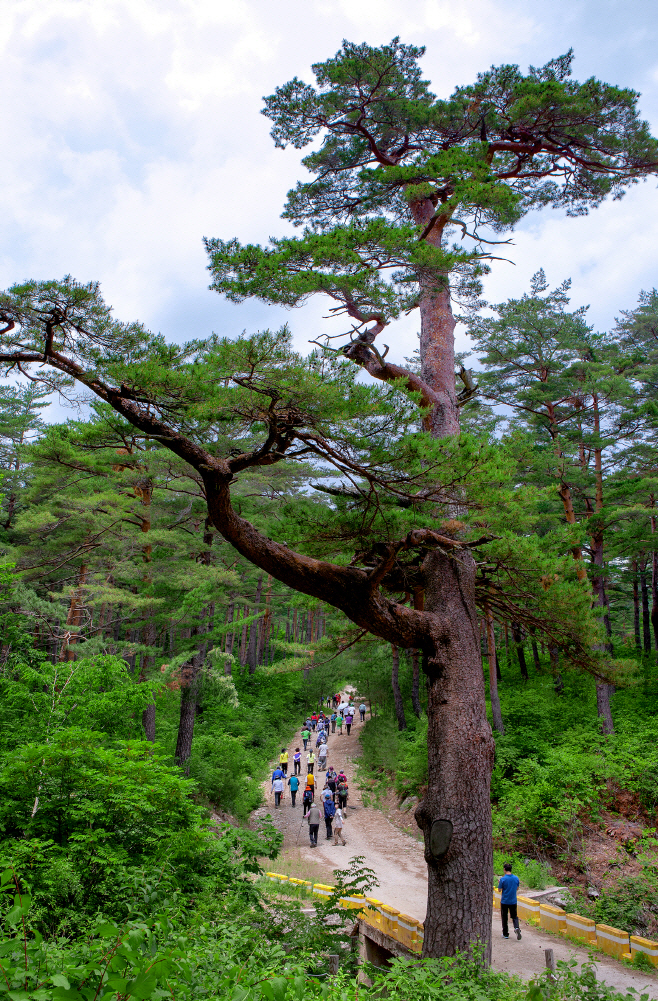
(310, 761)
(283, 761)
(310, 782)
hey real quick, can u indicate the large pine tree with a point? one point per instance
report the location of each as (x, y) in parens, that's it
(399, 175)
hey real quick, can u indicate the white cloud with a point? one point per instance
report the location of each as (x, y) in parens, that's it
(133, 129)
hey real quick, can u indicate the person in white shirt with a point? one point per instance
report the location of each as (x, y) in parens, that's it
(338, 827)
(277, 788)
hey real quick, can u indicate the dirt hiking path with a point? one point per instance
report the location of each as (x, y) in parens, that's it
(397, 859)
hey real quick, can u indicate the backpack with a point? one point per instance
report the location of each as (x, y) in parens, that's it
(329, 808)
(342, 788)
(308, 796)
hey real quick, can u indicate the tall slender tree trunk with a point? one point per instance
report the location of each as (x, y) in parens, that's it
(520, 652)
(558, 683)
(415, 683)
(493, 679)
(265, 630)
(646, 620)
(395, 684)
(636, 606)
(148, 714)
(654, 581)
(252, 654)
(243, 638)
(190, 676)
(230, 635)
(74, 617)
(535, 651)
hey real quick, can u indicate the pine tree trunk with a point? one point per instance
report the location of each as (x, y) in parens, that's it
(230, 636)
(243, 638)
(265, 630)
(603, 693)
(520, 652)
(646, 620)
(148, 722)
(493, 679)
(252, 654)
(654, 582)
(148, 714)
(190, 675)
(415, 683)
(558, 683)
(636, 606)
(535, 652)
(455, 813)
(74, 617)
(395, 684)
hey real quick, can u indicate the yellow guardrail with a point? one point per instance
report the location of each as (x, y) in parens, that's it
(410, 933)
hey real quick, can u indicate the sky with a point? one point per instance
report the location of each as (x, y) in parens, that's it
(131, 129)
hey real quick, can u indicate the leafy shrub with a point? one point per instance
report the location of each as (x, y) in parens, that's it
(631, 904)
(532, 873)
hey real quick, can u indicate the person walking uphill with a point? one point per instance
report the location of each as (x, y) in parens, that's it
(313, 821)
(293, 782)
(277, 788)
(306, 733)
(283, 761)
(362, 712)
(508, 885)
(329, 813)
(348, 721)
(297, 761)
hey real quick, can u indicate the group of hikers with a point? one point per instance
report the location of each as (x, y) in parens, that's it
(315, 733)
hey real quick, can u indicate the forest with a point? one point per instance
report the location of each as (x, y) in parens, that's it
(225, 531)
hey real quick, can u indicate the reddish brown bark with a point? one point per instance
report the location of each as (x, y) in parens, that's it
(74, 617)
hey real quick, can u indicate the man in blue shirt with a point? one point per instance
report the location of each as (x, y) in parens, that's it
(508, 885)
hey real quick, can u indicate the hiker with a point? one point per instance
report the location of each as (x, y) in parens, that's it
(314, 721)
(310, 782)
(508, 884)
(326, 794)
(293, 782)
(283, 761)
(297, 761)
(277, 773)
(319, 740)
(277, 789)
(338, 827)
(322, 757)
(306, 733)
(342, 789)
(339, 723)
(310, 761)
(362, 712)
(348, 722)
(307, 800)
(329, 812)
(333, 722)
(313, 821)
(331, 781)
